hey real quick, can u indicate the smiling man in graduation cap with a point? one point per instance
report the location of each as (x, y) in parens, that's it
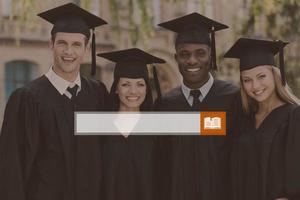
(198, 164)
(40, 156)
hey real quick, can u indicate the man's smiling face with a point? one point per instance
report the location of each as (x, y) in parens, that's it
(68, 52)
(194, 63)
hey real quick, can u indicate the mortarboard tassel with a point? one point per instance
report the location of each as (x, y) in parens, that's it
(281, 62)
(157, 86)
(93, 71)
(213, 50)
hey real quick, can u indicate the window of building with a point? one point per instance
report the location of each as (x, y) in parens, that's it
(17, 74)
(6, 8)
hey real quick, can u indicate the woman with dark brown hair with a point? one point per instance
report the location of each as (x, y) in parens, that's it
(129, 159)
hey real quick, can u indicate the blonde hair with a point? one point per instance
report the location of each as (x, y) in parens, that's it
(283, 92)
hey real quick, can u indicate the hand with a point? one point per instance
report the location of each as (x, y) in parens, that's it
(283, 198)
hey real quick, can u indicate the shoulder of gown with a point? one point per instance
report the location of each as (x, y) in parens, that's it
(96, 89)
(224, 87)
(173, 94)
(293, 155)
(94, 83)
(19, 140)
(169, 100)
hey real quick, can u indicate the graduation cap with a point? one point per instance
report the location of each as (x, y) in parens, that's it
(195, 28)
(70, 18)
(132, 63)
(253, 52)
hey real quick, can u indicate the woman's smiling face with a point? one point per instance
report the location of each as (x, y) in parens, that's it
(131, 92)
(259, 82)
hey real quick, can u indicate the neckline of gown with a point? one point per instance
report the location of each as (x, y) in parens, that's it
(267, 117)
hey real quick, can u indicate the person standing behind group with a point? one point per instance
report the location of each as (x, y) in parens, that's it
(265, 158)
(40, 156)
(129, 159)
(196, 167)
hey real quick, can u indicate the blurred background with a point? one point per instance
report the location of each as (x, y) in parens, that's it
(24, 37)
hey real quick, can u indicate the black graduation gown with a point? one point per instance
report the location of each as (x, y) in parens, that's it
(196, 167)
(292, 178)
(128, 167)
(40, 156)
(261, 158)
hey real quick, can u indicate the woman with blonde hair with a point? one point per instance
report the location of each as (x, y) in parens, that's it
(265, 157)
(284, 92)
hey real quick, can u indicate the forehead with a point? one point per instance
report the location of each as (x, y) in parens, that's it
(72, 37)
(192, 47)
(132, 80)
(257, 70)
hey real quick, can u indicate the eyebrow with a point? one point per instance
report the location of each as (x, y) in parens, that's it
(261, 73)
(61, 41)
(244, 77)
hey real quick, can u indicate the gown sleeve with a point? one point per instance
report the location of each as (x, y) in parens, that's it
(293, 156)
(18, 144)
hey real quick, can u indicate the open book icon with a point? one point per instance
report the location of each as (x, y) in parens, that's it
(212, 123)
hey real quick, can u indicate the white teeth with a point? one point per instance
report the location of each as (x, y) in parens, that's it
(132, 98)
(193, 69)
(258, 92)
(68, 59)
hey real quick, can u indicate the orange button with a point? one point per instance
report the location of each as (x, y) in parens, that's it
(213, 123)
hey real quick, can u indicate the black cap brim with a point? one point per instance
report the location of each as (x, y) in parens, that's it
(243, 45)
(254, 52)
(131, 63)
(70, 9)
(180, 24)
(131, 55)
